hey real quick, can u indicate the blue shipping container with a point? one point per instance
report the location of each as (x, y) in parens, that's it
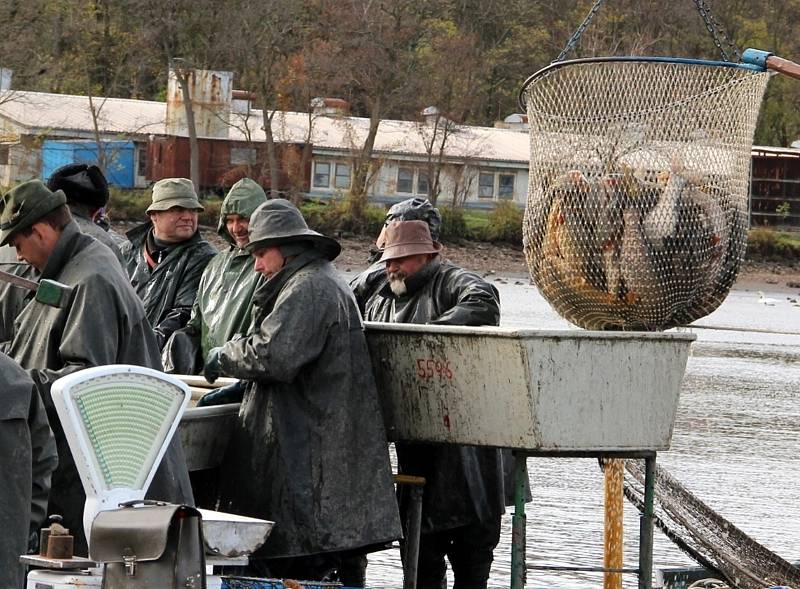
(120, 158)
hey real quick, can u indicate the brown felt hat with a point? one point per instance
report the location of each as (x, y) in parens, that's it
(408, 238)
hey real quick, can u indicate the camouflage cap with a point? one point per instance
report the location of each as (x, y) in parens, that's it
(174, 192)
(25, 205)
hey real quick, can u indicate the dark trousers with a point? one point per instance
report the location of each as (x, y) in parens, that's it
(470, 552)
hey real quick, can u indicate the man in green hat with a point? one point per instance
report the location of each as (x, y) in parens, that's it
(223, 305)
(309, 448)
(165, 257)
(102, 323)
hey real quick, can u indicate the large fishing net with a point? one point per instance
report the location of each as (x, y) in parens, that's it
(706, 536)
(637, 208)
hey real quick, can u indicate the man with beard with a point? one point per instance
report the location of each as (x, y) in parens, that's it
(165, 257)
(309, 448)
(102, 322)
(463, 497)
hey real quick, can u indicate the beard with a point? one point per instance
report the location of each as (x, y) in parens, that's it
(397, 282)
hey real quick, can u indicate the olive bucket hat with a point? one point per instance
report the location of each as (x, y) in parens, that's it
(25, 205)
(278, 222)
(174, 192)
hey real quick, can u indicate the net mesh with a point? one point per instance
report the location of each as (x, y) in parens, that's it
(638, 189)
(706, 536)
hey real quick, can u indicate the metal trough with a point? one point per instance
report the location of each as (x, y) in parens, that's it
(549, 392)
(205, 432)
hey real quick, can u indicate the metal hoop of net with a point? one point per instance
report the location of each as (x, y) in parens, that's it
(637, 207)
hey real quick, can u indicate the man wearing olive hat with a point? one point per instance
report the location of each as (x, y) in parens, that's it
(223, 305)
(165, 257)
(463, 499)
(86, 190)
(102, 322)
(309, 449)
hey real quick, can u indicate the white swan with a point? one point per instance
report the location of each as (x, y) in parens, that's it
(764, 300)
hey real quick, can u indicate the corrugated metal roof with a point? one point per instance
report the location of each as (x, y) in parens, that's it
(40, 112)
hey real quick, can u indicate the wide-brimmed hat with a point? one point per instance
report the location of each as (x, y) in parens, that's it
(278, 222)
(408, 238)
(81, 183)
(25, 205)
(174, 192)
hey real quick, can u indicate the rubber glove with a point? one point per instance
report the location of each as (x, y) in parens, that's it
(232, 393)
(212, 369)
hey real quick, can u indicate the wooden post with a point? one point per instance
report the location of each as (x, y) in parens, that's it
(612, 549)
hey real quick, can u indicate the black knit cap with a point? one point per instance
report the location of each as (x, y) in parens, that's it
(81, 183)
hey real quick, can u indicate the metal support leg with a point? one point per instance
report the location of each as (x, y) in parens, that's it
(413, 528)
(518, 568)
(646, 526)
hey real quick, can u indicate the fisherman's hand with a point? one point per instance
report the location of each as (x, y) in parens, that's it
(232, 393)
(212, 368)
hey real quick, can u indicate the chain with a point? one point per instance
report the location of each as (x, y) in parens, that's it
(577, 34)
(713, 27)
(716, 31)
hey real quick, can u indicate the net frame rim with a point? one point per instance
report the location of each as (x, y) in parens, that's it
(630, 59)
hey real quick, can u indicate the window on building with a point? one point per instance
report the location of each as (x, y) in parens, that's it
(405, 180)
(505, 186)
(322, 174)
(4, 155)
(486, 185)
(342, 178)
(422, 182)
(243, 156)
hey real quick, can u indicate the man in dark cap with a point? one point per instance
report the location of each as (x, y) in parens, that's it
(165, 257)
(412, 209)
(309, 449)
(463, 497)
(102, 322)
(28, 455)
(86, 190)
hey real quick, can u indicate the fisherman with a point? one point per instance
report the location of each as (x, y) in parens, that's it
(165, 257)
(309, 450)
(463, 497)
(28, 455)
(223, 305)
(411, 209)
(86, 189)
(103, 322)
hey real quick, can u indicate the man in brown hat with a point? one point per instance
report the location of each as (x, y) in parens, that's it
(165, 257)
(463, 495)
(103, 322)
(309, 449)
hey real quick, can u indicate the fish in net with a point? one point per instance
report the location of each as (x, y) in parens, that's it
(637, 208)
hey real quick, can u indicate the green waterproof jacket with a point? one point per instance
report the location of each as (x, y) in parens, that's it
(103, 323)
(28, 456)
(309, 449)
(222, 309)
(168, 290)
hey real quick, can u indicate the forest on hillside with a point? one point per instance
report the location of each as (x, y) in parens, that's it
(387, 58)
